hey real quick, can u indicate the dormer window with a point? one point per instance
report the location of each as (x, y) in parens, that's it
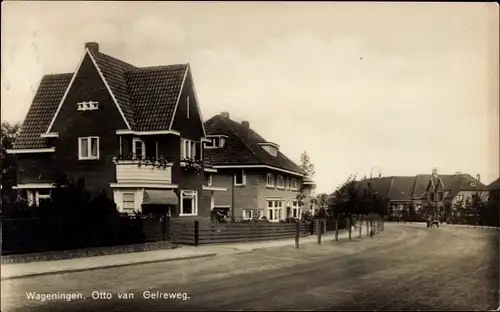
(84, 106)
(187, 106)
(216, 141)
(270, 180)
(271, 148)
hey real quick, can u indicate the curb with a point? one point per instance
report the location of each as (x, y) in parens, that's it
(106, 267)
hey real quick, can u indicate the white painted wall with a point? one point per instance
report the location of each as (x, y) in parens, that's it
(131, 172)
(118, 197)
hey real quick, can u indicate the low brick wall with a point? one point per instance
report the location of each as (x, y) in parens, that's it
(87, 252)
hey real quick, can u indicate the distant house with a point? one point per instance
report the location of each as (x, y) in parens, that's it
(261, 181)
(444, 195)
(100, 122)
(494, 192)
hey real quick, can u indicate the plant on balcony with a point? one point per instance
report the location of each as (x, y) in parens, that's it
(191, 165)
(155, 162)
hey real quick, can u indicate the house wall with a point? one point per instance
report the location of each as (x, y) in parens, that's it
(190, 128)
(467, 195)
(253, 195)
(245, 197)
(71, 124)
(36, 168)
(285, 194)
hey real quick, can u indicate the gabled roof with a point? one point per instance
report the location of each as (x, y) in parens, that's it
(147, 97)
(242, 147)
(402, 188)
(154, 92)
(380, 185)
(414, 187)
(495, 185)
(41, 111)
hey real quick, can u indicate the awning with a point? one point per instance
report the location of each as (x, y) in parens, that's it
(160, 197)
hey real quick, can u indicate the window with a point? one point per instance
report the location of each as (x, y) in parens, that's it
(216, 141)
(128, 203)
(295, 209)
(208, 178)
(88, 148)
(431, 196)
(274, 210)
(270, 180)
(247, 214)
(190, 149)
(440, 196)
(280, 182)
(294, 184)
(91, 105)
(240, 178)
(187, 106)
(139, 148)
(37, 197)
(189, 203)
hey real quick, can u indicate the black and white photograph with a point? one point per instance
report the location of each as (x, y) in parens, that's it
(250, 156)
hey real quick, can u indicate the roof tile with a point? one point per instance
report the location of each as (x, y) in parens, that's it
(41, 111)
(242, 147)
(147, 97)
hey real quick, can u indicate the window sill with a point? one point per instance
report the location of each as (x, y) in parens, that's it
(88, 158)
(294, 189)
(241, 185)
(280, 187)
(270, 186)
(188, 215)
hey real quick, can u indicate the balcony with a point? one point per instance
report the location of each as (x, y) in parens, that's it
(146, 172)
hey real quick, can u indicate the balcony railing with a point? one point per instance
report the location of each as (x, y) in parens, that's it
(131, 169)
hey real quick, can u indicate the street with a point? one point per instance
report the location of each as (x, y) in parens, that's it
(406, 267)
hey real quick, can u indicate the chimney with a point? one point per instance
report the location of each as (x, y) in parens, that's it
(224, 115)
(245, 124)
(478, 177)
(92, 46)
(434, 172)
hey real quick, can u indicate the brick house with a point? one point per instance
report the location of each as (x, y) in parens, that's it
(135, 132)
(261, 181)
(441, 195)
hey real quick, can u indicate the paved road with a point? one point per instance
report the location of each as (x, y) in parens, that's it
(407, 267)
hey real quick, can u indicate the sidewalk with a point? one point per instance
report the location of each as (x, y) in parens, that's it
(31, 269)
(469, 226)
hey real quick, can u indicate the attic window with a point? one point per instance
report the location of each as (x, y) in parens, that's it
(217, 141)
(271, 148)
(90, 105)
(187, 104)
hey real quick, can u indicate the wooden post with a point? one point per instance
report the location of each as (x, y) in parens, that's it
(164, 227)
(318, 231)
(337, 228)
(232, 197)
(349, 227)
(324, 225)
(297, 233)
(196, 232)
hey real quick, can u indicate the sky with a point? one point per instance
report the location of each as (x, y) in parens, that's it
(397, 87)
